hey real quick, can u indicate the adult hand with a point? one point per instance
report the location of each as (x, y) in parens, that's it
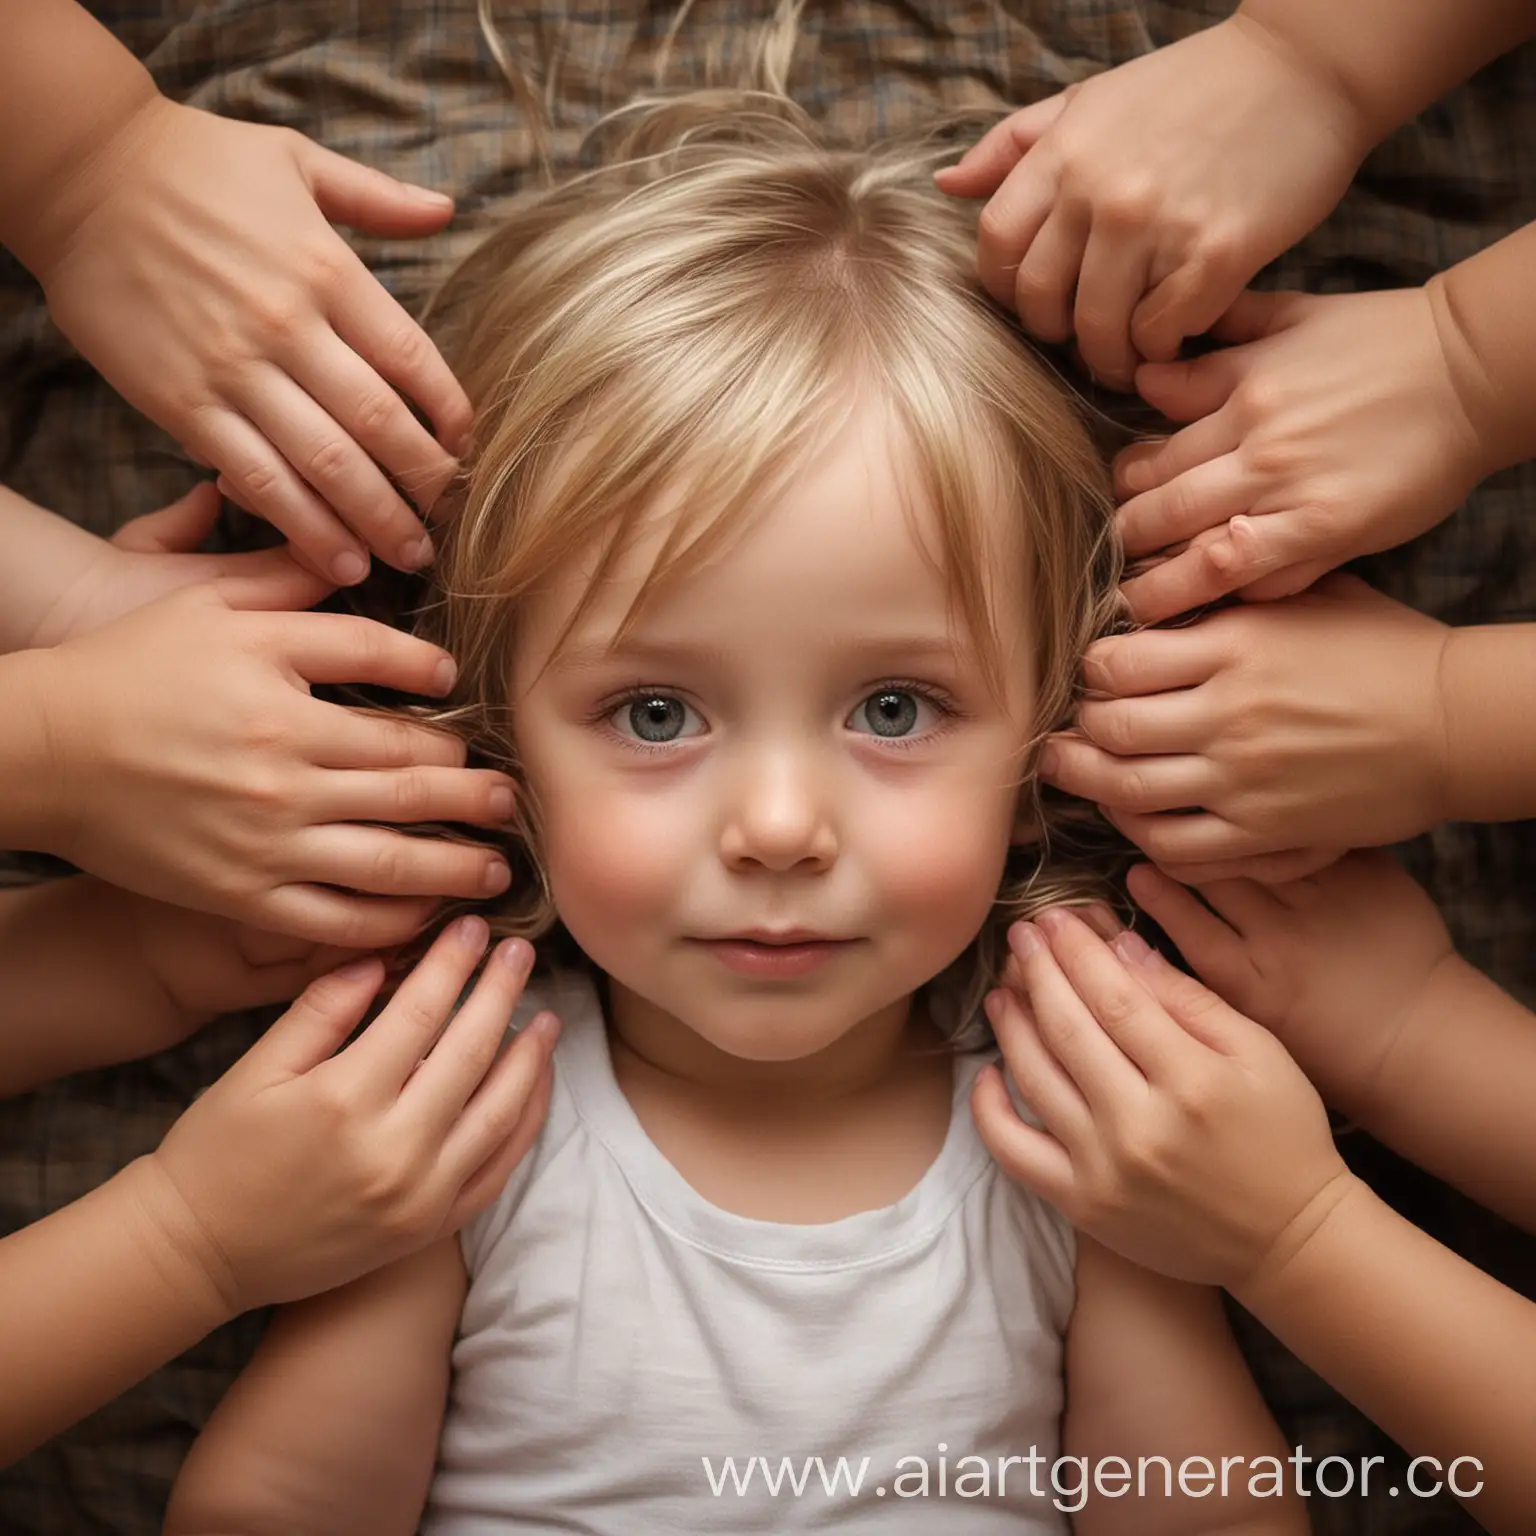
(1335, 428)
(1131, 209)
(1314, 723)
(1333, 965)
(200, 273)
(1172, 1129)
(305, 1165)
(189, 762)
(153, 555)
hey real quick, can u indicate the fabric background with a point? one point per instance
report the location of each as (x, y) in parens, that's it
(411, 88)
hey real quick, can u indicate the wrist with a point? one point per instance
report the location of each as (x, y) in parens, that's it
(1360, 117)
(33, 817)
(1309, 1233)
(185, 1250)
(72, 181)
(1486, 438)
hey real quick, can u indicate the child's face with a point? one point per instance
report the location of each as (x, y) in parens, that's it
(784, 801)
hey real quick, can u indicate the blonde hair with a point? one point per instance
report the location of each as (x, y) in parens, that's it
(700, 311)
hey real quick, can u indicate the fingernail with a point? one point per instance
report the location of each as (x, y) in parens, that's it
(472, 932)
(417, 553)
(516, 954)
(502, 804)
(1136, 476)
(445, 675)
(545, 1026)
(355, 970)
(427, 194)
(348, 569)
(1052, 918)
(1024, 941)
(496, 879)
(1132, 948)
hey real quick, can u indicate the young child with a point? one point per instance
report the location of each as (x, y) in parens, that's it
(160, 733)
(1179, 1132)
(1131, 209)
(775, 555)
(192, 260)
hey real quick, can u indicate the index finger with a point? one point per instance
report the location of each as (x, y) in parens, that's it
(1125, 1008)
(981, 169)
(345, 648)
(385, 337)
(385, 1055)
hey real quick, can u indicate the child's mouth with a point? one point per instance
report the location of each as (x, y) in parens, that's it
(775, 959)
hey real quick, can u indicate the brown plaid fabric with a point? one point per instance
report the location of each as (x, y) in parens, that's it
(411, 88)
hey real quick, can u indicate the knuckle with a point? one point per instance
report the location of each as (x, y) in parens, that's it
(994, 228)
(278, 316)
(406, 349)
(412, 794)
(328, 461)
(376, 411)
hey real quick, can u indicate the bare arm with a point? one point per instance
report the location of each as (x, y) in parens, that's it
(1437, 1353)
(45, 554)
(1392, 58)
(1453, 1094)
(1152, 1371)
(333, 1426)
(1488, 691)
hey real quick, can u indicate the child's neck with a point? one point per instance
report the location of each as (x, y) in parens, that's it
(645, 1040)
(851, 1128)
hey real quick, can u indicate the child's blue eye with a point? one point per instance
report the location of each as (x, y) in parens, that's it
(655, 718)
(891, 712)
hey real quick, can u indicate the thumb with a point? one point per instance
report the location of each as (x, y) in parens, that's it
(1186, 391)
(980, 171)
(174, 530)
(269, 580)
(317, 1024)
(365, 199)
(1253, 315)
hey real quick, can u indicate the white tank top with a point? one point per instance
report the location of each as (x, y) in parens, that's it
(633, 1361)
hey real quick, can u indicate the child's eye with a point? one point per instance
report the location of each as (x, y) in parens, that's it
(655, 719)
(894, 712)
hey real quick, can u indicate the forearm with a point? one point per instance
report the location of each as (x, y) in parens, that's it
(92, 1299)
(334, 1426)
(45, 555)
(1488, 703)
(1438, 1354)
(1392, 58)
(1454, 1094)
(78, 994)
(67, 88)
(1485, 307)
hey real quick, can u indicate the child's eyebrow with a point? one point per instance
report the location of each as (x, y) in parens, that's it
(589, 656)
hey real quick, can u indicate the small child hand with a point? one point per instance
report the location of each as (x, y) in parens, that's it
(190, 763)
(206, 283)
(306, 1166)
(1312, 723)
(1175, 1131)
(1336, 428)
(1333, 965)
(1132, 208)
(153, 555)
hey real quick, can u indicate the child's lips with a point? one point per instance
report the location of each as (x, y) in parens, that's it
(776, 957)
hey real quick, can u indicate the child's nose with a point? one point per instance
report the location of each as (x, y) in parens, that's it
(780, 813)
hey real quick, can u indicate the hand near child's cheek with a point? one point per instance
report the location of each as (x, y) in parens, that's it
(193, 765)
(307, 1165)
(207, 285)
(1333, 965)
(1334, 429)
(1131, 209)
(1296, 728)
(1175, 1131)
